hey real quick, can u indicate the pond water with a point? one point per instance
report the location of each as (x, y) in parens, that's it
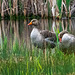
(21, 31)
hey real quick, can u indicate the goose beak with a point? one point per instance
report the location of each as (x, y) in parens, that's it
(30, 23)
(60, 39)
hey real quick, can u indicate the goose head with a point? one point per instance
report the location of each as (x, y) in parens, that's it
(61, 35)
(34, 22)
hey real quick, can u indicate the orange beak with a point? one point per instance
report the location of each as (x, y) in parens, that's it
(30, 23)
(60, 39)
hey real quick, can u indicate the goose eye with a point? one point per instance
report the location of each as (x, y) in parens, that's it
(33, 21)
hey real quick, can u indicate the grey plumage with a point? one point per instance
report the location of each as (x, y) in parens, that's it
(41, 37)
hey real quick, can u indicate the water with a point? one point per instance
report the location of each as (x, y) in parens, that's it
(21, 31)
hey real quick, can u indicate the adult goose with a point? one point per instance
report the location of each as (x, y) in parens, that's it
(41, 38)
(67, 42)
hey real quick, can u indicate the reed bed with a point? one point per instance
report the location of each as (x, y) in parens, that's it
(19, 60)
(43, 8)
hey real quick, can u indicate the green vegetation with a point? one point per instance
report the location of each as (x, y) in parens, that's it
(20, 17)
(59, 3)
(67, 4)
(24, 8)
(19, 60)
(49, 9)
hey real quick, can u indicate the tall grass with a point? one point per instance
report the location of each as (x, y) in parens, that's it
(68, 4)
(59, 3)
(10, 8)
(30, 9)
(49, 9)
(19, 60)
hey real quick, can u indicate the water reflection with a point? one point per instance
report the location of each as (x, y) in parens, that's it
(20, 31)
(73, 26)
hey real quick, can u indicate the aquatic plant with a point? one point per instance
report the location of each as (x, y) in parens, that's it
(67, 4)
(42, 8)
(59, 3)
(49, 9)
(22, 61)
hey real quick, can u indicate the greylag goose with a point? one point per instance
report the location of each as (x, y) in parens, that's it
(41, 37)
(67, 41)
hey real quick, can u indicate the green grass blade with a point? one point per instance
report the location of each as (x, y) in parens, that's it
(67, 4)
(59, 2)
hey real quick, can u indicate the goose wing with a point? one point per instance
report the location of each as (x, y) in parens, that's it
(48, 34)
(50, 43)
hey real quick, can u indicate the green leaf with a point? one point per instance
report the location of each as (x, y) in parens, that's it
(67, 4)
(59, 2)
